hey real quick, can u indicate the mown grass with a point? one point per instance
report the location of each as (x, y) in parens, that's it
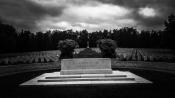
(163, 82)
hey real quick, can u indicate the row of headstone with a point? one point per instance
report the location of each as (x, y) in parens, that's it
(153, 56)
(96, 50)
(53, 56)
(32, 58)
(78, 50)
(140, 55)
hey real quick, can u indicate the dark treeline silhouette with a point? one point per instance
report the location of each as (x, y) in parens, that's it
(13, 41)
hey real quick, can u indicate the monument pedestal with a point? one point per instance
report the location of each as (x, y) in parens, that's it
(56, 79)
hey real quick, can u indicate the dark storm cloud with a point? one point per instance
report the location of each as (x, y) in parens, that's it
(43, 14)
(23, 13)
(164, 7)
(141, 3)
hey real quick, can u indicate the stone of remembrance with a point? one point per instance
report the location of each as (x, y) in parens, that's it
(86, 66)
(86, 71)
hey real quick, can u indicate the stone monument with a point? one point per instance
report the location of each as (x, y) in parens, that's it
(86, 71)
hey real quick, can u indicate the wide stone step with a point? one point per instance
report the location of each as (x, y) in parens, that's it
(84, 76)
(56, 79)
(89, 79)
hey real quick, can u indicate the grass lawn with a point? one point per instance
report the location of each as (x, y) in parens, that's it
(162, 74)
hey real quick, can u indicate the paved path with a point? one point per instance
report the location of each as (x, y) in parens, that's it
(155, 66)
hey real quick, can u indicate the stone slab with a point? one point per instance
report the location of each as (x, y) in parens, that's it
(86, 76)
(87, 79)
(86, 66)
(56, 79)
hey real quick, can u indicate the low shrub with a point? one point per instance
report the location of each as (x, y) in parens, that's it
(107, 47)
(67, 48)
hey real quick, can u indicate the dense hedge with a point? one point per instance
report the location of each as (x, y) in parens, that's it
(107, 47)
(67, 48)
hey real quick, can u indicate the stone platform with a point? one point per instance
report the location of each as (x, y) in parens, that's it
(56, 79)
(86, 71)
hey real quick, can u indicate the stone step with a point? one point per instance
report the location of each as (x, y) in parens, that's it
(84, 76)
(89, 79)
(117, 77)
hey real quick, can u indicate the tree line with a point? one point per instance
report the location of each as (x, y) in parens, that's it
(13, 41)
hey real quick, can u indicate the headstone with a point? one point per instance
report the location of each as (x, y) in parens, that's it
(31, 60)
(53, 58)
(86, 66)
(139, 58)
(36, 59)
(47, 59)
(25, 59)
(145, 58)
(128, 57)
(133, 58)
(151, 58)
(121, 57)
(6, 61)
(124, 55)
(42, 59)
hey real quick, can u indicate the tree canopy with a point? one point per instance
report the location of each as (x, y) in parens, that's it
(13, 41)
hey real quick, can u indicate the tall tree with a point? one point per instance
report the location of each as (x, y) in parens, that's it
(169, 32)
(8, 37)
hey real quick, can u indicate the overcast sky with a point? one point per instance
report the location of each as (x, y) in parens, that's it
(41, 15)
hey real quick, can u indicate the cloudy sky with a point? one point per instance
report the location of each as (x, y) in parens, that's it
(93, 15)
